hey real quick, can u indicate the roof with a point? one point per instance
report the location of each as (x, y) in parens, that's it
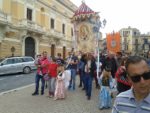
(83, 11)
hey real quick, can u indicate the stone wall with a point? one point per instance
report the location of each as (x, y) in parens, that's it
(6, 46)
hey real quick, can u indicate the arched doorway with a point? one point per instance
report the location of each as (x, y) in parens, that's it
(53, 50)
(29, 47)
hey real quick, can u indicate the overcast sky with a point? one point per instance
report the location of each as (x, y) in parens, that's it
(121, 13)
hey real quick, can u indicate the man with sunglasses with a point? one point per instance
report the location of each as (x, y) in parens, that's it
(137, 99)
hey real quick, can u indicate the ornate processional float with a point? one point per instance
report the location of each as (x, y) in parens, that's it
(86, 29)
(87, 34)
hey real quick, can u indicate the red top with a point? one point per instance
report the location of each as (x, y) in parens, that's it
(44, 63)
(53, 69)
(119, 78)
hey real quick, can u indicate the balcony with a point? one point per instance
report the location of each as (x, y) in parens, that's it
(3, 17)
(31, 26)
(56, 34)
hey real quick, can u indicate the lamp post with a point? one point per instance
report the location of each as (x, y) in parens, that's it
(99, 24)
(13, 49)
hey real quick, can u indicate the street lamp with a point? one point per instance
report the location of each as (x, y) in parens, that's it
(98, 24)
(12, 49)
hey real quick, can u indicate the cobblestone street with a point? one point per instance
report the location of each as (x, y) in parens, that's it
(22, 101)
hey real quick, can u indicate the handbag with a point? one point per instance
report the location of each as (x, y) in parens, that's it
(46, 77)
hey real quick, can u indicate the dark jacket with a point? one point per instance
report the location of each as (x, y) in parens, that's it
(110, 63)
(93, 67)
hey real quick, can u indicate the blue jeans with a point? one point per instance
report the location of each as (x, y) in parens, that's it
(73, 79)
(37, 80)
(88, 84)
(83, 78)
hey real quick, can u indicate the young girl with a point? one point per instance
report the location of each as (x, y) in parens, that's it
(105, 81)
(53, 68)
(62, 83)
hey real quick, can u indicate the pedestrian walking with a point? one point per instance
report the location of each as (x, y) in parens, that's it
(90, 68)
(105, 81)
(111, 62)
(72, 61)
(62, 83)
(59, 59)
(81, 67)
(123, 83)
(52, 70)
(42, 69)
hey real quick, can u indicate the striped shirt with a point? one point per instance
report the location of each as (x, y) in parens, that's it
(125, 103)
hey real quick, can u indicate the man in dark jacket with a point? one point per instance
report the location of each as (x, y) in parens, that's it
(110, 62)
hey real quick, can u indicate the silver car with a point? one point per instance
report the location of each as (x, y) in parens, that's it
(16, 65)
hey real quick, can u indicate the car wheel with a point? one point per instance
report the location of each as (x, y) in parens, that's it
(26, 70)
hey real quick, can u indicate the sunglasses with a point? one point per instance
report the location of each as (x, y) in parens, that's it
(137, 78)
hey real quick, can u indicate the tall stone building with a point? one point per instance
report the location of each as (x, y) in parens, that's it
(145, 43)
(28, 27)
(130, 40)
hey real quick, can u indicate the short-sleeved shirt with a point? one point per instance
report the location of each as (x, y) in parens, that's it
(59, 61)
(44, 70)
(72, 66)
(126, 103)
(53, 69)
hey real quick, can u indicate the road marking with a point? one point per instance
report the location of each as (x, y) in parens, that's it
(19, 76)
(16, 89)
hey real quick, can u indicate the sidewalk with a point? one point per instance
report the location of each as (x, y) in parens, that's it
(22, 101)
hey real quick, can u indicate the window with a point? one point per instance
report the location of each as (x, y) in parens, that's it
(126, 33)
(27, 59)
(135, 33)
(18, 60)
(63, 28)
(71, 31)
(52, 23)
(145, 41)
(136, 41)
(9, 61)
(29, 14)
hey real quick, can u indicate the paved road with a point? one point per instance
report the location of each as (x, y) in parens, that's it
(13, 81)
(21, 101)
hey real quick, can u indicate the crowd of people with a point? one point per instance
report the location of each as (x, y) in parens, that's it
(129, 75)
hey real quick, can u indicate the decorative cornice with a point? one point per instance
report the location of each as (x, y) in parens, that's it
(66, 5)
(53, 8)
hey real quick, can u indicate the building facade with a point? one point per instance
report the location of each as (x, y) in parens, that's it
(28, 27)
(130, 40)
(145, 43)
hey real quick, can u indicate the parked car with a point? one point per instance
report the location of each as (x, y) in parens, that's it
(16, 65)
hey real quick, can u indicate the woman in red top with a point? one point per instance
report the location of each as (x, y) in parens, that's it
(52, 69)
(121, 77)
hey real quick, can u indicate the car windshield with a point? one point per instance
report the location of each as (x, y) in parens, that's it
(1, 60)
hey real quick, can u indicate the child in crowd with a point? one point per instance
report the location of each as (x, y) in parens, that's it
(105, 81)
(53, 69)
(62, 83)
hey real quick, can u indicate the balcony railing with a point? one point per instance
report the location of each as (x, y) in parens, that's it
(56, 34)
(31, 25)
(3, 16)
